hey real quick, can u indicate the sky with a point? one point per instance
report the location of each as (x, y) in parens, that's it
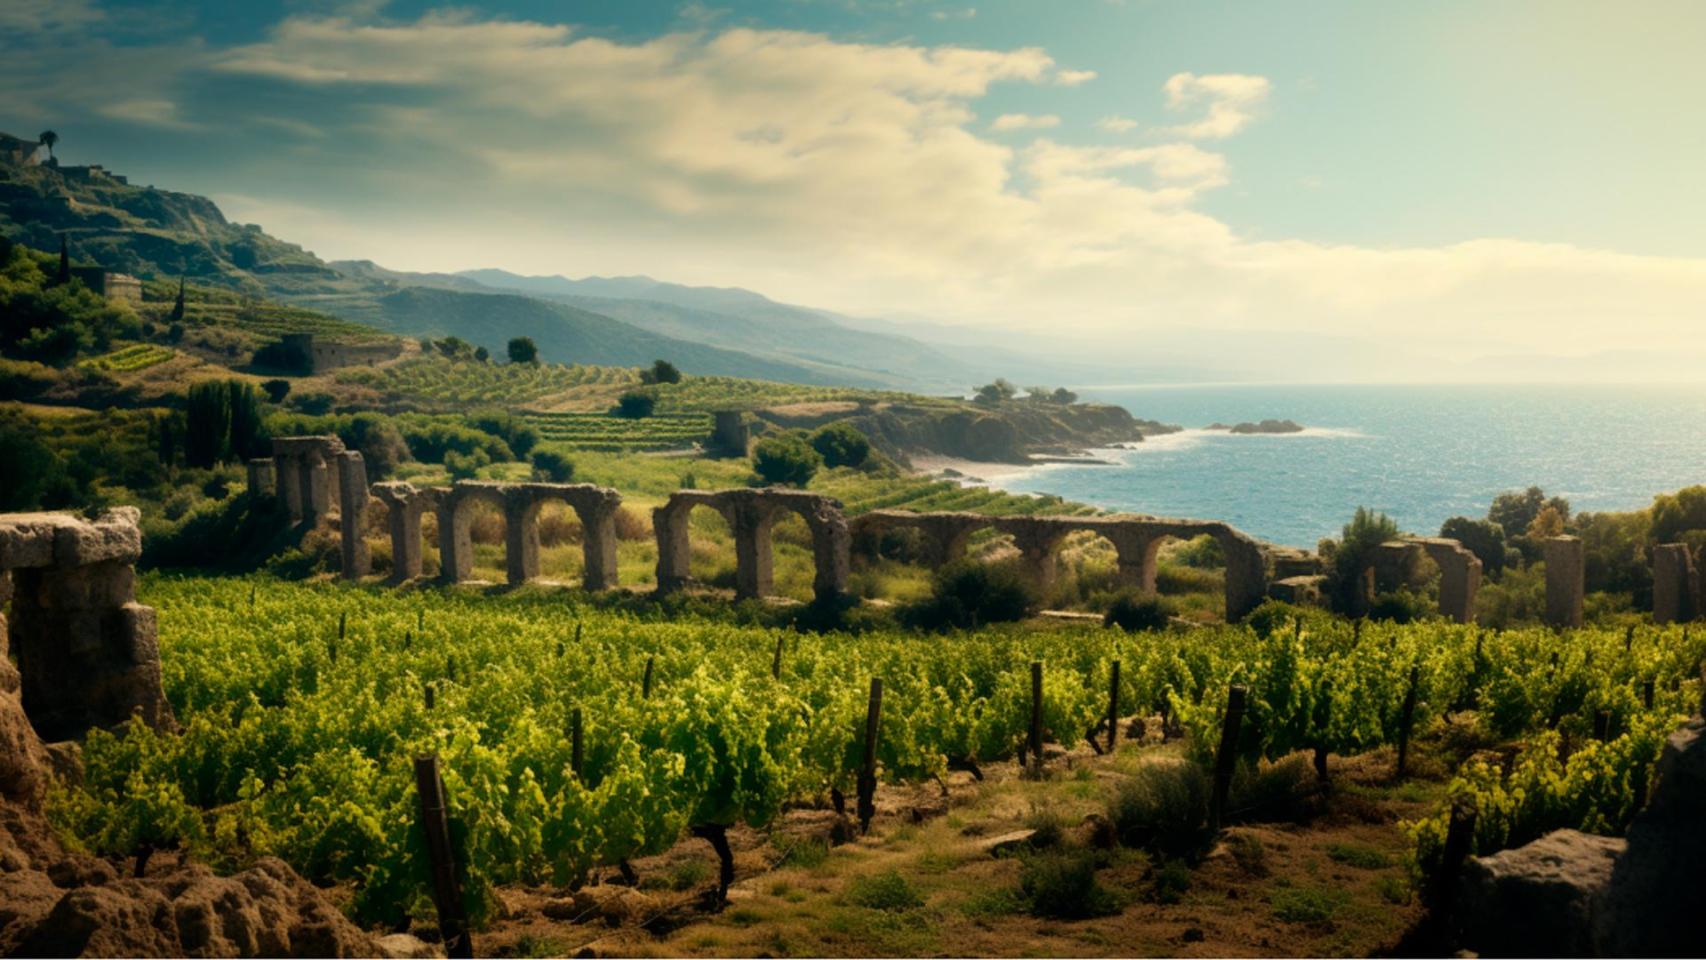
(1459, 188)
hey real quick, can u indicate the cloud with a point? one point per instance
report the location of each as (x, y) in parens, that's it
(1232, 100)
(27, 20)
(153, 113)
(964, 13)
(854, 176)
(1117, 124)
(1073, 78)
(1024, 121)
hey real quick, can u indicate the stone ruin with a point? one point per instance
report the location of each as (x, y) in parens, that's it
(87, 652)
(1395, 563)
(1676, 584)
(1137, 542)
(520, 502)
(1566, 572)
(305, 470)
(751, 514)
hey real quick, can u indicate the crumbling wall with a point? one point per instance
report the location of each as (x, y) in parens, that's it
(87, 652)
(1676, 585)
(305, 468)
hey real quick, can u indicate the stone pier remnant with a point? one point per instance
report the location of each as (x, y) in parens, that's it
(1565, 572)
(1137, 542)
(404, 505)
(261, 483)
(87, 653)
(1395, 564)
(730, 433)
(1676, 584)
(305, 468)
(751, 514)
(352, 518)
(520, 502)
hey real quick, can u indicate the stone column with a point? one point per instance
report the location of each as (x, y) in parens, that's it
(403, 519)
(669, 526)
(289, 477)
(1459, 577)
(455, 549)
(1246, 575)
(1675, 584)
(1565, 569)
(754, 567)
(316, 489)
(598, 546)
(352, 520)
(521, 536)
(832, 548)
(261, 482)
(1038, 541)
(1136, 551)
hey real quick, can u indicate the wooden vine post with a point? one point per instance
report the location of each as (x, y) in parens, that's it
(1034, 740)
(1227, 755)
(577, 756)
(446, 886)
(776, 661)
(1459, 842)
(1405, 720)
(1113, 706)
(868, 760)
(646, 684)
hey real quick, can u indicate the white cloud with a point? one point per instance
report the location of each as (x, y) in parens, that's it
(1116, 124)
(1073, 78)
(1024, 121)
(848, 175)
(154, 113)
(22, 19)
(1231, 100)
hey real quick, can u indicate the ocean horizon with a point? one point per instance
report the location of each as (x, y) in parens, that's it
(1418, 453)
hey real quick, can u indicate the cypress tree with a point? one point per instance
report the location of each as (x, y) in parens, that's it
(178, 307)
(207, 424)
(64, 274)
(245, 407)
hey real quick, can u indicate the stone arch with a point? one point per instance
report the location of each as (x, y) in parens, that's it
(751, 515)
(1396, 563)
(595, 506)
(87, 653)
(945, 535)
(305, 472)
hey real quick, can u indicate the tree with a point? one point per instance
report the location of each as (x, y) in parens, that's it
(523, 350)
(455, 348)
(996, 392)
(1549, 522)
(786, 459)
(207, 424)
(1484, 538)
(1516, 510)
(1354, 551)
(276, 390)
(635, 405)
(178, 305)
(662, 371)
(245, 417)
(841, 445)
(481, 354)
(1677, 513)
(552, 466)
(48, 139)
(1064, 397)
(167, 431)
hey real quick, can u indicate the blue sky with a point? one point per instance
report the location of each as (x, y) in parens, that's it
(1509, 171)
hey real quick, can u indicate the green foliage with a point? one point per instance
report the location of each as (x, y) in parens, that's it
(636, 404)
(1351, 554)
(785, 459)
(1062, 885)
(841, 445)
(1400, 606)
(966, 594)
(28, 469)
(1308, 905)
(996, 392)
(1134, 610)
(466, 466)
(207, 409)
(552, 466)
(662, 371)
(1677, 513)
(1517, 511)
(276, 390)
(53, 323)
(1484, 538)
(887, 890)
(1163, 808)
(281, 356)
(523, 350)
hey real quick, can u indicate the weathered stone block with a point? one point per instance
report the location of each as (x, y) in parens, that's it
(1676, 586)
(1538, 900)
(1565, 572)
(1303, 591)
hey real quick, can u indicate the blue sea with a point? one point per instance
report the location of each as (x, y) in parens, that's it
(1417, 453)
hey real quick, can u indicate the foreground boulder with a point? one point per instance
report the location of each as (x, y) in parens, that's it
(1575, 894)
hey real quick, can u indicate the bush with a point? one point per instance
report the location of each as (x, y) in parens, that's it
(1484, 538)
(278, 356)
(662, 371)
(1133, 610)
(785, 459)
(841, 445)
(1400, 606)
(1353, 552)
(636, 405)
(552, 466)
(883, 891)
(466, 467)
(314, 404)
(966, 594)
(1163, 808)
(276, 390)
(523, 350)
(1062, 885)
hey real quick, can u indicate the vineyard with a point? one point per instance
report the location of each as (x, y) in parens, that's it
(304, 707)
(137, 356)
(609, 433)
(208, 306)
(439, 383)
(707, 394)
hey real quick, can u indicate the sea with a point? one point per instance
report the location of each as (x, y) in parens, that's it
(1419, 454)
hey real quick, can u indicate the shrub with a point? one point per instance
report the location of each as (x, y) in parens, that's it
(841, 445)
(1162, 808)
(1484, 538)
(1062, 885)
(1202, 553)
(1133, 610)
(662, 371)
(1352, 553)
(785, 459)
(466, 466)
(276, 390)
(883, 891)
(278, 356)
(552, 466)
(636, 405)
(314, 404)
(1400, 606)
(523, 350)
(1171, 881)
(967, 594)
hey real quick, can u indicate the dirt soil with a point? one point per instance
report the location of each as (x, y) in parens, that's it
(1332, 886)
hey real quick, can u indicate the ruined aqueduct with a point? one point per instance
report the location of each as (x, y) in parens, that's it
(314, 476)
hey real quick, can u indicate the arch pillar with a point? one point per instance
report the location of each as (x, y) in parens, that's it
(1565, 572)
(352, 519)
(1676, 585)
